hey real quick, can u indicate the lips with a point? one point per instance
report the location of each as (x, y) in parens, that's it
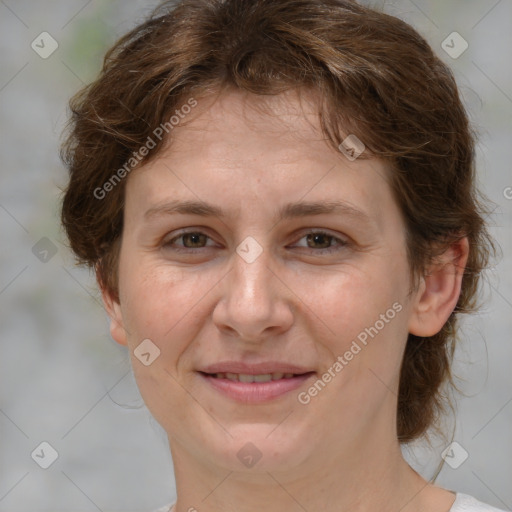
(260, 368)
(254, 383)
(245, 377)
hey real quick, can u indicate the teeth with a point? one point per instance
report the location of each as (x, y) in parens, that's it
(265, 377)
(262, 378)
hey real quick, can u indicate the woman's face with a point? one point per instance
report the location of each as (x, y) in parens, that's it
(250, 290)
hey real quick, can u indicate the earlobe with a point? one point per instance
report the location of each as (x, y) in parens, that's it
(439, 291)
(113, 308)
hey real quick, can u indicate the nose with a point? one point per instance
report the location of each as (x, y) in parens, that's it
(255, 301)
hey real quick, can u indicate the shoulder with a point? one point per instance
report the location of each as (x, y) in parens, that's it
(167, 508)
(467, 503)
(462, 503)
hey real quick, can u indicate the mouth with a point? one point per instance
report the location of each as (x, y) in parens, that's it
(246, 377)
(255, 387)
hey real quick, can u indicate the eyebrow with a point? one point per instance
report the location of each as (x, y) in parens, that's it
(288, 211)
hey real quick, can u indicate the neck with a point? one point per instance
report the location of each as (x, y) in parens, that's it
(363, 477)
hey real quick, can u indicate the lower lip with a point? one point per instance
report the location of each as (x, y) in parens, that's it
(256, 392)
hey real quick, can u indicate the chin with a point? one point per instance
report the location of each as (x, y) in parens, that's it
(257, 448)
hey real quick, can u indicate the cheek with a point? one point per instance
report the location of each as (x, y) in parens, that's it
(349, 303)
(162, 304)
(158, 302)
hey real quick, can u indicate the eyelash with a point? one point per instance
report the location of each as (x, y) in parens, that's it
(341, 243)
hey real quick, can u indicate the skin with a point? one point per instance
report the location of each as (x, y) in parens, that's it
(293, 303)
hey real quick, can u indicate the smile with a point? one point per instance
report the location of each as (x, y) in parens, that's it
(264, 377)
(254, 388)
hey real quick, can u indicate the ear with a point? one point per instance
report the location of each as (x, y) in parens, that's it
(113, 308)
(439, 291)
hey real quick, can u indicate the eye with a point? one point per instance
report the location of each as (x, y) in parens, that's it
(191, 239)
(324, 240)
(197, 240)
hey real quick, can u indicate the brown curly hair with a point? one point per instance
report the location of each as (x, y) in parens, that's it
(376, 77)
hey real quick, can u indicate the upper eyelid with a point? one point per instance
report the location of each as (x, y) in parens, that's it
(200, 231)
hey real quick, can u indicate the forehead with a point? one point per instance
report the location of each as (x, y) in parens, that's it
(250, 151)
(234, 121)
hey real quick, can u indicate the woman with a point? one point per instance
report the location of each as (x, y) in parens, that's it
(278, 199)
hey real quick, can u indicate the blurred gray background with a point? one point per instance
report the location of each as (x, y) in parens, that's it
(65, 382)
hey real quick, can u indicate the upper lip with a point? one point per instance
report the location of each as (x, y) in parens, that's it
(254, 368)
